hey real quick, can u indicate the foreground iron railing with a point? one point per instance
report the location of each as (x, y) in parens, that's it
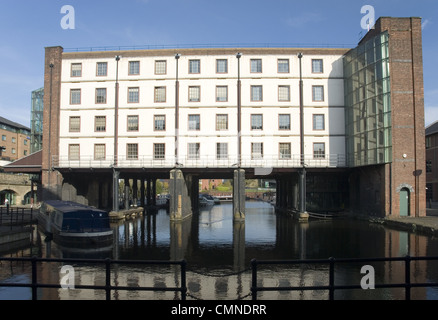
(331, 287)
(16, 216)
(108, 287)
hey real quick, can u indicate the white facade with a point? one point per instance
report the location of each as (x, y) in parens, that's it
(270, 122)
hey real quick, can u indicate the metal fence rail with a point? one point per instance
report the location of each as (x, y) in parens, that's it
(331, 287)
(34, 284)
(16, 216)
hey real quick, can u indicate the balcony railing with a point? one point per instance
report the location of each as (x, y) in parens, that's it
(266, 161)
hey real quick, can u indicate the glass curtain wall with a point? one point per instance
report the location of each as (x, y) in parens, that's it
(368, 103)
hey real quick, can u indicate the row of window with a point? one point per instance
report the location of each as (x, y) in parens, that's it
(194, 67)
(194, 151)
(13, 139)
(14, 151)
(194, 122)
(194, 94)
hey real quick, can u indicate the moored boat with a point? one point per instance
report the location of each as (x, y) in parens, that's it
(74, 224)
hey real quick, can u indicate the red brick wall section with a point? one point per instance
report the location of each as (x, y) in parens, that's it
(52, 89)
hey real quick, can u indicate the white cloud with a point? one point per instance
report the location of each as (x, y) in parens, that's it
(425, 23)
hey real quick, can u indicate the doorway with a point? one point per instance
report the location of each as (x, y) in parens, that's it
(404, 202)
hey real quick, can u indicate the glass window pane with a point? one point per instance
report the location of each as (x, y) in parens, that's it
(285, 150)
(283, 65)
(256, 122)
(132, 151)
(221, 151)
(76, 69)
(132, 123)
(100, 123)
(221, 122)
(194, 151)
(256, 93)
(133, 95)
(194, 94)
(75, 96)
(318, 93)
(256, 65)
(160, 94)
(222, 66)
(284, 122)
(221, 93)
(161, 67)
(160, 123)
(102, 68)
(318, 122)
(159, 151)
(319, 150)
(194, 66)
(101, 95)
(134, 67)
(283, 93)
(194, 122)
(317, 66)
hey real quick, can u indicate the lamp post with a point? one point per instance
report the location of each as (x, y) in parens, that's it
(116, 133)
(177, 56)
(49, 169)
(303, 169)
(239, 112)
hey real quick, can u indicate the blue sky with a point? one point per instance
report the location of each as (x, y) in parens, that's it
(27, 26)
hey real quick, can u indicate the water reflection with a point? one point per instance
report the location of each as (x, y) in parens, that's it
(218, 253)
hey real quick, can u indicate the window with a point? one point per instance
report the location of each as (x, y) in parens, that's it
(194, 94)
(194, 66)
(318, 93)
(285, 150)
(256, 65)
(194, 151)
(221, 66)
(284, 122)
(14, 140)
(221, 93)
(256, 93)
(256, 122)
(132, 123)
(221, 122)
(319, 150)
(132, 151)
(133, 95)
(14, 151)
(75, 124)
(317, 66)
(160, 122)
(283, 65)
(73, 152)
(25, 142)
(25, 152)
(222, 150)
(101, 95)
(256, 150)
(159, 151)
(318, 122)
(102, 69)
(75, 96)
(3, 138)
(160, 94)
(100, 123)
(99, 152)
(134, 67)
(283, 93)
(428, 142)
(161, 67)
(76, 69)
(428, 166)
(194, 122)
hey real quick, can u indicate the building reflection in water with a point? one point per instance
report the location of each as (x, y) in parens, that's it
(218, 252)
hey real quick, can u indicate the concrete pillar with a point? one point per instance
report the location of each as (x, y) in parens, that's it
(154, 192)
(239, 195)
(134, 191)
(302, 214)
(126, 193)
(239, 245)
(180, 203)
(148, 192)
(142, 192)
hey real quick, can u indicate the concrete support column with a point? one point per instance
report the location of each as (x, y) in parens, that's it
(239, 195)
(126, 193)
(148, 192)
(302, 214)
(134, 191)
(180, 203)
(142, 192)
(154, 192)
(116, 174)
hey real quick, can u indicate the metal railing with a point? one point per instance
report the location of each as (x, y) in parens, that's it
(230, 161)
(108, 287)
(332, 287)
(15, 216)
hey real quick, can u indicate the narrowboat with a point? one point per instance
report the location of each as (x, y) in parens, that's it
(73, 224)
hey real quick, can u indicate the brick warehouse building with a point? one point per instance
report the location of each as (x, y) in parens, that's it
(362, 139)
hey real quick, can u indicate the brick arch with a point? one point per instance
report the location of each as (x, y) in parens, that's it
(7, 193)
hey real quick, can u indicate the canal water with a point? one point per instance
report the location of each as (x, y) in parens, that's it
(219, 252)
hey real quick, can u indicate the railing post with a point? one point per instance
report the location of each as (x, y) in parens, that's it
(108, 278)
(183, 280)
(332, 279)
(34, 278)
(254, 279)
(408, 277)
